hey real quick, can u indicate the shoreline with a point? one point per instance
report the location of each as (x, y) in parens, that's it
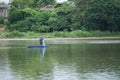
(81, 38)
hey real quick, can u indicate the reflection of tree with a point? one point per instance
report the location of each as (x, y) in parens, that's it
(3, 55)
(29, 64)
(84, 58)
(88, 57)
(61, 54)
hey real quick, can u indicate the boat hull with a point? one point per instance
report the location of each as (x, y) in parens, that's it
(37, 47)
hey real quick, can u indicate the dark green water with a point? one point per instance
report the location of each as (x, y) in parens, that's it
(63, 60)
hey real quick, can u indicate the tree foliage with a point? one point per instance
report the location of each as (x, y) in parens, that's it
(90, 15)
(64, 15)
(97, 14)
(31, 3)
(1, 21)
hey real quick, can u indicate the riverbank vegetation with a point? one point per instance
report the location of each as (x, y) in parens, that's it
(61, 34)
(75, 18)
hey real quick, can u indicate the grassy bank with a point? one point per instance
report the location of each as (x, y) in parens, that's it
(62, 34)
(79, 33)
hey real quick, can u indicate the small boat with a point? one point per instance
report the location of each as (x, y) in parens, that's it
(37, 46)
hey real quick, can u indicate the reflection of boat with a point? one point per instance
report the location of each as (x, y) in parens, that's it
(41, 49)
(37, 46)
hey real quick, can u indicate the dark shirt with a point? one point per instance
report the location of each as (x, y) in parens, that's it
(41, 41)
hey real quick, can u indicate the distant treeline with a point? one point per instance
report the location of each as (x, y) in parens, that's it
(85, 15)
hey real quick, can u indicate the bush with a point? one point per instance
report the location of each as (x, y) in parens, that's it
(1, 20)
(31, 34)
(61, 34)
(15, 34)
(80, 33)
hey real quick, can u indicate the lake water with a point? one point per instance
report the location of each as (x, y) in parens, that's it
(62, 60)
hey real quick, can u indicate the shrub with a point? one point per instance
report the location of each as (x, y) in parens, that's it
(1, 20)
(15, 34)
(80, 33)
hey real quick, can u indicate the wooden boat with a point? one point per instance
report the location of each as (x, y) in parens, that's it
(37, 46)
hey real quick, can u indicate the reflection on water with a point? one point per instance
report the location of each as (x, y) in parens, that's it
(76, 60)
(42, 52)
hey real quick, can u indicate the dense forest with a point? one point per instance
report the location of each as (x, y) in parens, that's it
(86, 15)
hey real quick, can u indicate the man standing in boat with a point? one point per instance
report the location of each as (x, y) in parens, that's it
(42, 42)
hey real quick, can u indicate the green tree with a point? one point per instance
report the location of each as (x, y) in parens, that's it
(21, 3)
(28, 20)
(103, 15)
(41, 3)
(1, 21)
(31, 3)
(18, 14)
(63, 12)
(18, 19)
(97, 14)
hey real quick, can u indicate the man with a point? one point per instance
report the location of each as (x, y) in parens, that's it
(42, 42)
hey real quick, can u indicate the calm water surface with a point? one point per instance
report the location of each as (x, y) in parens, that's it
(63, 60)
